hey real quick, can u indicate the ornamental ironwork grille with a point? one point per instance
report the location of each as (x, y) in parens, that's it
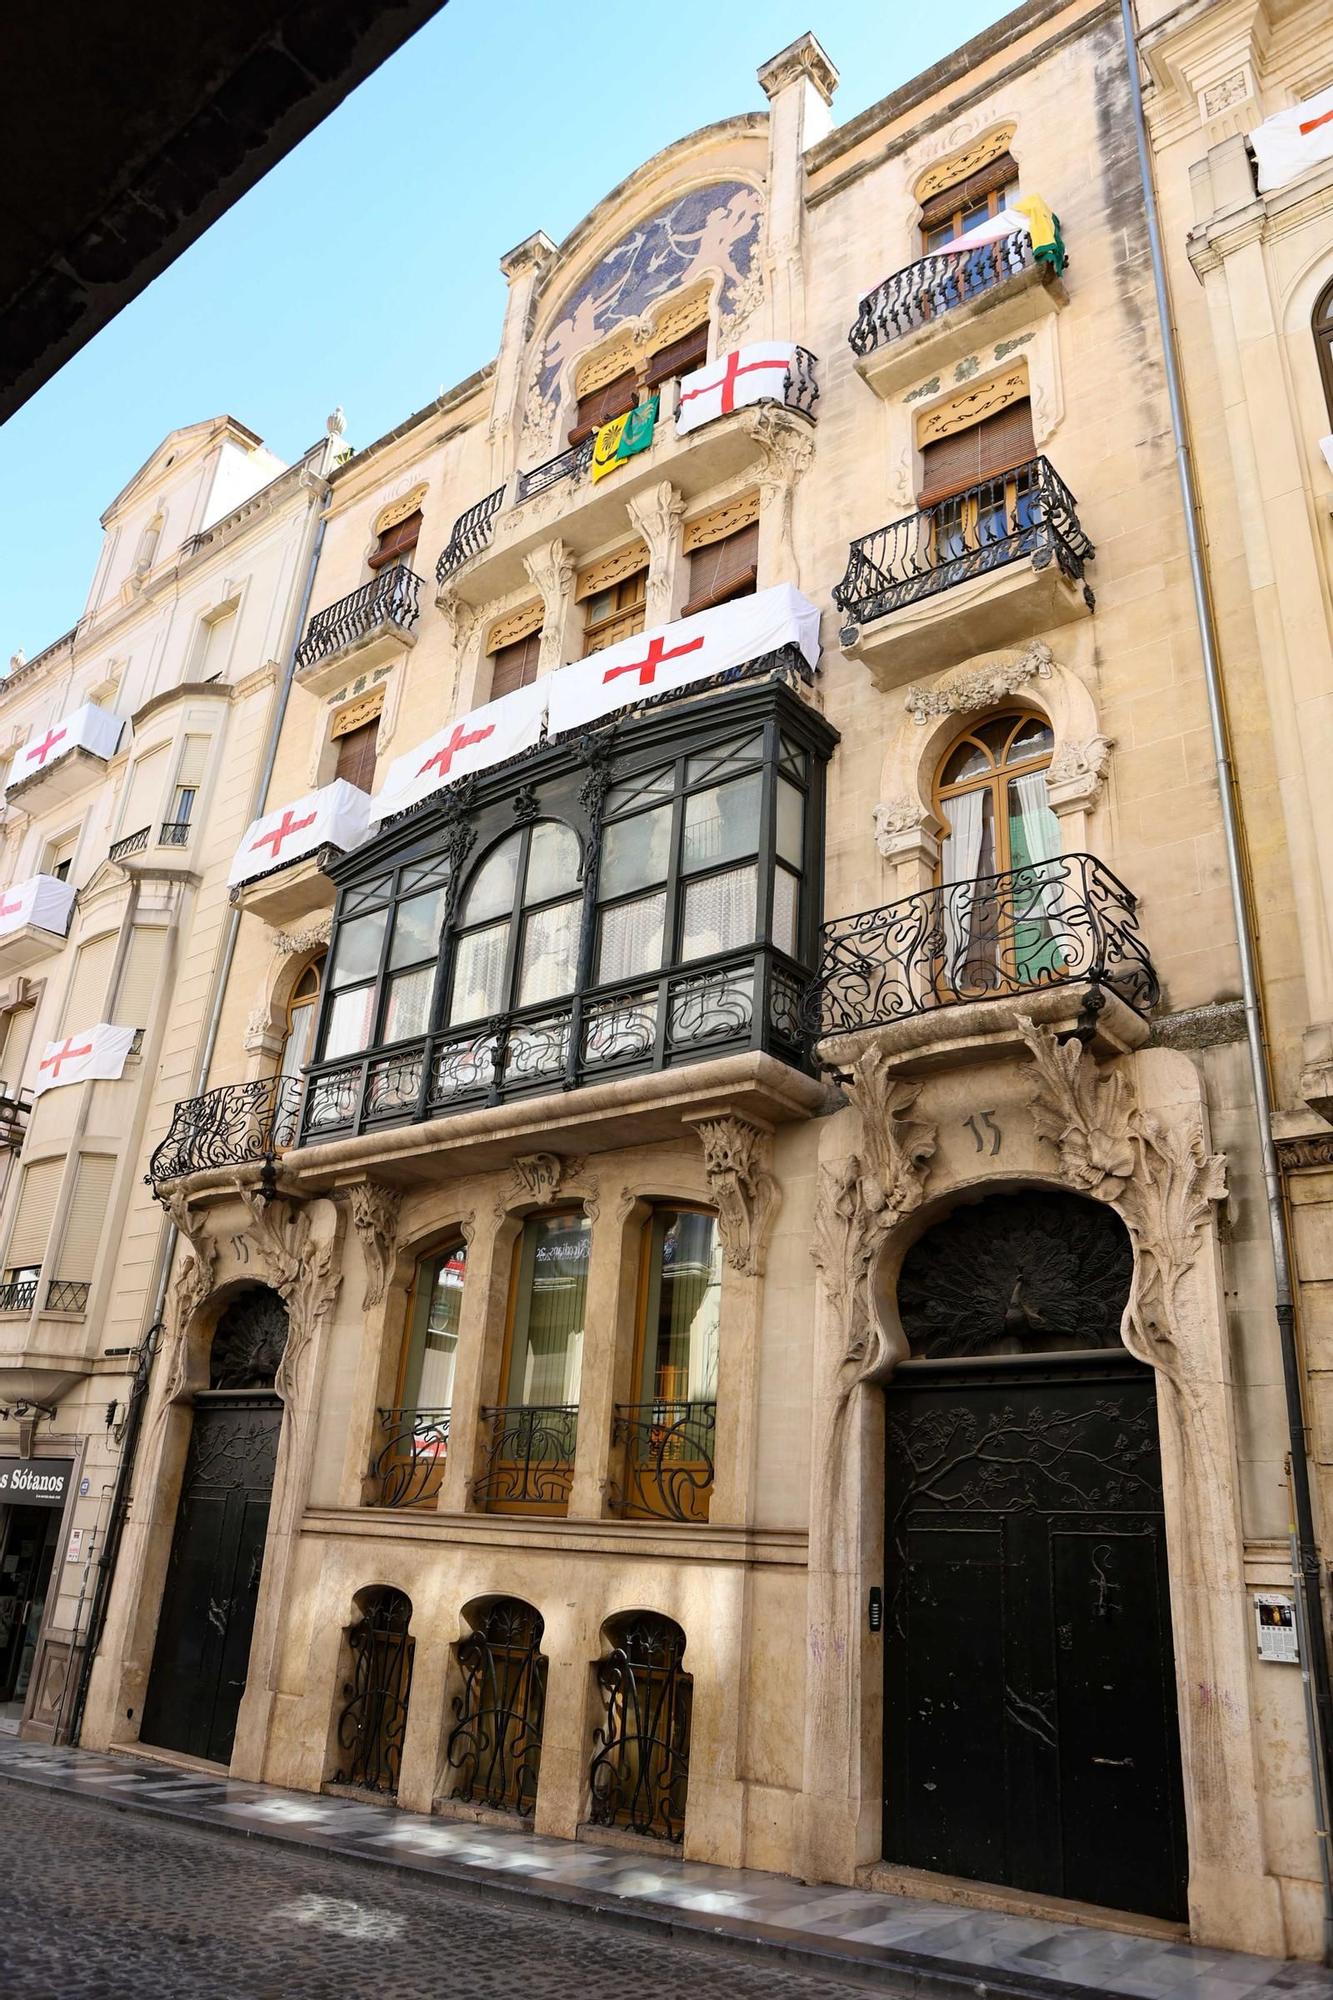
(494, 1749)
(373, 1720)
(229, 1126)
(391, 598)
(529, 1458)
(408, 1464)
(471, 532)
(1045, 924)
(641, 1761)
(923, 292)
(1026, 514)
(667, 1463)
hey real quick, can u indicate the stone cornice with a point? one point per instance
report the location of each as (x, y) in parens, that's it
(183, 691)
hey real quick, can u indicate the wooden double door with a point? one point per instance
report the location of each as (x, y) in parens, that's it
(202, 1655)
(1030, 1707)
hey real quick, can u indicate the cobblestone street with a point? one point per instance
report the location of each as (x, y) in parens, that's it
(168, 1912)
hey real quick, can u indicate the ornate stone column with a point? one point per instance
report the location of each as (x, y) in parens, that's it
(523, 267)
(464, 628)
(787, 447)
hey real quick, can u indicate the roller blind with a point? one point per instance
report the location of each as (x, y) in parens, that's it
(356, 756)
(134, 1004)
(723, 570)
(145, 792)
(975, 187)
(215, 645)
(399, 541)
(32, 1222)
(600, 405)
(194, 762)
(14, 1049)
(87, 994)
(87, 1215)
(996, 445)
(678, 357)
(515, 666)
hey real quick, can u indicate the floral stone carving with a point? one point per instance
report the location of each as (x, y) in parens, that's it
(375, 1216)
(982, 687)
(747, 1196)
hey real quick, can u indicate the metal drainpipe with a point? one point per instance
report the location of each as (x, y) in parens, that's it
(144, 1353)
(1305, 1565)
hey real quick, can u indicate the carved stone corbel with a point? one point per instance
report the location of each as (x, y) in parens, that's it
(657, 515)
(860, 1200)
(787, 448)
(1077, 772)
(540, 1177)
(193, 1282)
(905, 830)
(551, 569)
(375, 1217)
(746, 1194)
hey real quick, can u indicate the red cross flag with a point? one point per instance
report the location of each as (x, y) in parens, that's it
(92, 1053)
(693, 649)
(337, 815)
(753, 374)
(488, 736)
(1290, 142)
(87, 728)
(42, 900)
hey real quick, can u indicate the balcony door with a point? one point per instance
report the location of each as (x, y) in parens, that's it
(1000, 892)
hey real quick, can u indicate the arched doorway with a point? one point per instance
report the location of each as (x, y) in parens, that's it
(202, 1652)
(1030, 1733)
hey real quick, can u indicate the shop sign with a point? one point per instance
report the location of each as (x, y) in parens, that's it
(35, 1482)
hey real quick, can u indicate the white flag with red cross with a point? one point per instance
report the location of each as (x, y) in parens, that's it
(674, 656)
(91, 1054)
(337, 815)
(756, 373)
(488, 736)
(1290, 141)
(87, 728)
(43, 900)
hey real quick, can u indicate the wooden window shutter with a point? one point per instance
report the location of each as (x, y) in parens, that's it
(1000, 173)
(86, 1218)
(678, 357)
(37, 1205)
(141, 979)
(399, 541)
(86, 1000)
(723, 570)
(985, 450)
(145, 792)
(356, 756)
(600, 405)
(515, 666)
(17, 1025)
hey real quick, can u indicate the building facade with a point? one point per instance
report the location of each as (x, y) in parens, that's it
(724, 1269)
(131, 749)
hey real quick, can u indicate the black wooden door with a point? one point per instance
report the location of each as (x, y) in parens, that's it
(1030, 1732)
(217, 1553)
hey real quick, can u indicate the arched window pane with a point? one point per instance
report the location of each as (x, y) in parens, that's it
(437, 1304)
(547, 1350)
(1030, 741)
(684, 1302)
(553, 861)
(491, 893)
(969, 760)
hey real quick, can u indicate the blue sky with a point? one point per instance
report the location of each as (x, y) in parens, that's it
(364, 269)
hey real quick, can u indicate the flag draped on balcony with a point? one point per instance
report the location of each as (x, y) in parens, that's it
(337, 815)
(43, 900)
(86, 1055)
(1032, 216)
(487, 736)
(622, 438)
(87, 728)
(1290, 141)
(756, 373)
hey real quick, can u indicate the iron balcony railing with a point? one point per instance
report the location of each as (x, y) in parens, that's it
(67, 1295)
(800, 390)
(14, 1110)
(408, 1464)
(1065, 920)
(133, 843)
(20, 1296)
(229, 1127)
(1027, 514)
(737, 1001)
(391, 598)
(566, 464)
(923, 292)
(666, 1462)
(471, 532)
(529, 1458)
(173, 833)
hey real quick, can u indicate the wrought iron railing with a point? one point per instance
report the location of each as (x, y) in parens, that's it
(18, 1297)
(800, 390)
(1059, 921)
(173, 833)
(373, 1720)
(666, 1467)
(529, 1458)
(228, 1127)
(14, 1110)
(67, 1295)
(391, 598)
(1026, 513)
(640, 1769)
(470, 532)
(409, 1462)
(495, 1746)
(567, 464)
(739, 1001)
(133, 843)
(923, 292)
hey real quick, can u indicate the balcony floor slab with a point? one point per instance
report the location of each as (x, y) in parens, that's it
(1001, 607)
(384, 641)
(301, 890)
(976, 1031)
(1010, 307)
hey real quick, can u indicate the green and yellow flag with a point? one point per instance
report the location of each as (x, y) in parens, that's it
(1044, 228)
(622, 438)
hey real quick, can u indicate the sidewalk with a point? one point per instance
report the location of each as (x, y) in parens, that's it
(896, 1944)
